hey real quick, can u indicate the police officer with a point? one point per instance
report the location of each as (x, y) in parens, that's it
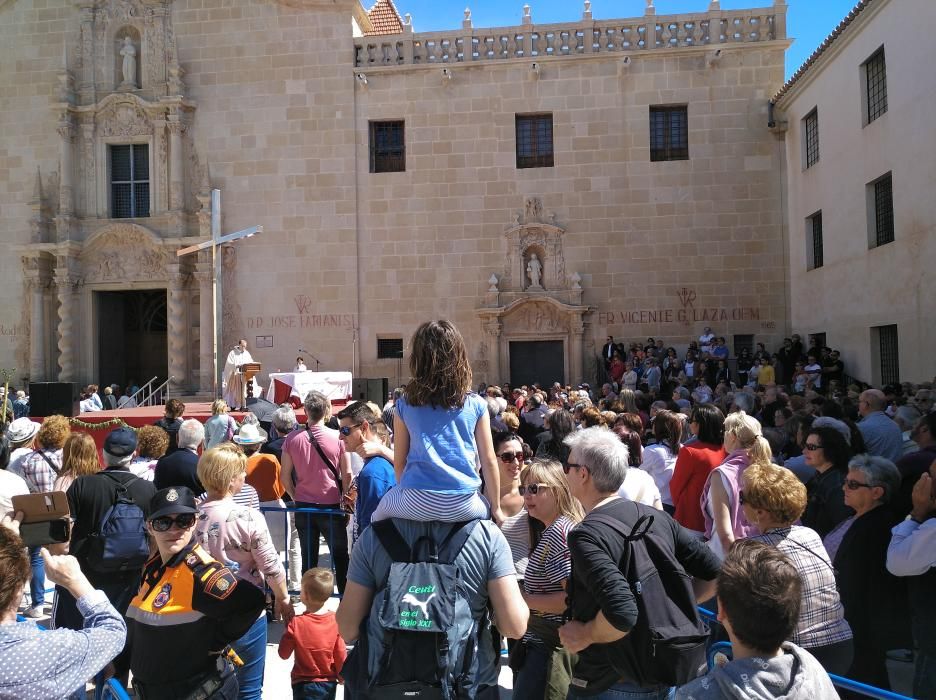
(188, 609)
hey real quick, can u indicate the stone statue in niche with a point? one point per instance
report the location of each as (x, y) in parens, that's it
(534, 270)
(128, 52)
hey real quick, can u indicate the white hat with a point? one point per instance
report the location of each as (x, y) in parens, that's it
(21, 430)
(248, 435)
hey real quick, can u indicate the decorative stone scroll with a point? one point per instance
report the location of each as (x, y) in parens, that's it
(124, 253)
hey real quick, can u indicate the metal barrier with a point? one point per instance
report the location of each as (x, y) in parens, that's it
(838, 681)
(110, 689)
(335, 517)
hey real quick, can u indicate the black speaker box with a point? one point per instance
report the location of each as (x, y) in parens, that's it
(49, 398)
(373, 390)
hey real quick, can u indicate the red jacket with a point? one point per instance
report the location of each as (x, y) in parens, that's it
(693, 465)
(320, 651)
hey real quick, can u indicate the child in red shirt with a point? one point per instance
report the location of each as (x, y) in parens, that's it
(313, 637)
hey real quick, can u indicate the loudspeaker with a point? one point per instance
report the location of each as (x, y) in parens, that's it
(49, 398)
(373, 390)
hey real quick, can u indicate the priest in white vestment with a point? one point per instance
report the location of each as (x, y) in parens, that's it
(232, 381)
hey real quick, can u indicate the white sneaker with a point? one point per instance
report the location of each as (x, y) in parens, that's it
(34, 612)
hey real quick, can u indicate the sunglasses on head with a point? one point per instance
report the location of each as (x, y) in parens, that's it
(183, 521)
(853, 485)
(511, 456)
(531, 489)
(346, 429)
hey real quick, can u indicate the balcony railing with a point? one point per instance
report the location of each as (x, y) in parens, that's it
(714, 28)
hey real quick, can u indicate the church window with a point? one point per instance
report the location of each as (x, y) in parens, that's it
(669, 133)
(534, 140)
(130, 190)
(387, 147)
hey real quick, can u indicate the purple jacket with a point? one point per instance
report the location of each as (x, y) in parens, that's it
(731, 469)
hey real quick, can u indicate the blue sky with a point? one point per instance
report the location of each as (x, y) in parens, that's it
(808, 21)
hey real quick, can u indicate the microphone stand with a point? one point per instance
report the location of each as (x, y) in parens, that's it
(306, 352)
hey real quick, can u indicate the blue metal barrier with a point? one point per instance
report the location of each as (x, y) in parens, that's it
(838, 681)
(111, 689)
(333, 515)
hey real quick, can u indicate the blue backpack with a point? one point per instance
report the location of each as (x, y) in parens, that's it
(421, 639)
(120, 543)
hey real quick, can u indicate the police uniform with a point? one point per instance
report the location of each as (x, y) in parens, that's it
(184, 615)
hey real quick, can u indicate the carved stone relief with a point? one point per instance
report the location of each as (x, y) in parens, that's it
(124, 253)
(124, 118)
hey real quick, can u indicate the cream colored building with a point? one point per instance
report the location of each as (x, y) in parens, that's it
(861, 155)
(119, 117)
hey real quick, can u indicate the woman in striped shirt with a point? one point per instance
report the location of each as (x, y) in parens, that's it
(544, 667)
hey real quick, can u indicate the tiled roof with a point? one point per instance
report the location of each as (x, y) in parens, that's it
(385, 18)
(842, 26)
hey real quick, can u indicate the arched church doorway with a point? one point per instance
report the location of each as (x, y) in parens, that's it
(131, 336)
(537, 361)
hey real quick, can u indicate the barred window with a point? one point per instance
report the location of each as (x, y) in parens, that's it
(669, 133)
(130, 193)
(889, 353)
(387, 147)
(875, 71)
(811, 132)
(389, 348)
(534, 140)
(883, 210)
(742, 342)
(814, 233)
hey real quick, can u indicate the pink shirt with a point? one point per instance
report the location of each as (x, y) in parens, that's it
(315, 482)
(238, 537)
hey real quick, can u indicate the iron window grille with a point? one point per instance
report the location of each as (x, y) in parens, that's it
(812, 138)
(889, 351)
(387, 147)
(389, 348)
(130, 193)
(884, 210)
(876, 85)
(534, 140)
(815, 224)
(669, 133)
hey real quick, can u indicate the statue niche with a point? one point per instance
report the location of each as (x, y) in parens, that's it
(534, 260)
(127, 59)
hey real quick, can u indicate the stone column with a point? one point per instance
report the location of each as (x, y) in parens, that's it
(493, 328)
(66, 284)
(66, 133)
(576, 355)
(175, 163)
(159, 159)
(37, 334)
(203, 275)
(177, 328)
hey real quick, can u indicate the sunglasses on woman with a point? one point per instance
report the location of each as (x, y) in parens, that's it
(811, 447)
(182, 521)
(511, 456)
(853, 485)
(532, 489)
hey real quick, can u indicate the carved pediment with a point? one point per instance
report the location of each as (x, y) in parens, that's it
(124, 253)
(123, 116)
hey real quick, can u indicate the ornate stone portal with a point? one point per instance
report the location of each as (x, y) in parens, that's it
(533, 298)
(120, 85)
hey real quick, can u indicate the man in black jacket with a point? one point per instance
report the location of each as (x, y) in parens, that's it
(180, 467)
(601, 602)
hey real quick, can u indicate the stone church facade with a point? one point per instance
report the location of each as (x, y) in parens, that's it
(120, 116)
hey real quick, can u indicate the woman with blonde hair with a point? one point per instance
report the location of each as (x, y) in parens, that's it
(221, 426)
(233, 533)
(543, 666)
(721, 506)
(79, 458)
(774, 499)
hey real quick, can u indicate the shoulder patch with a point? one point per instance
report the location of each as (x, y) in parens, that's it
(220, 584)
(198, 558)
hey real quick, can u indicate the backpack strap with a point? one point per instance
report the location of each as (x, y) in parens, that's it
(392, 541)
(639, 529)
(121, 485)
(445, 552)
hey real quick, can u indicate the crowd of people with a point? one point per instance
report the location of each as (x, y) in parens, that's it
(582, 526)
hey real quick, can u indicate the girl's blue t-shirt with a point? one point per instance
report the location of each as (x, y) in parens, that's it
(442, 453)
